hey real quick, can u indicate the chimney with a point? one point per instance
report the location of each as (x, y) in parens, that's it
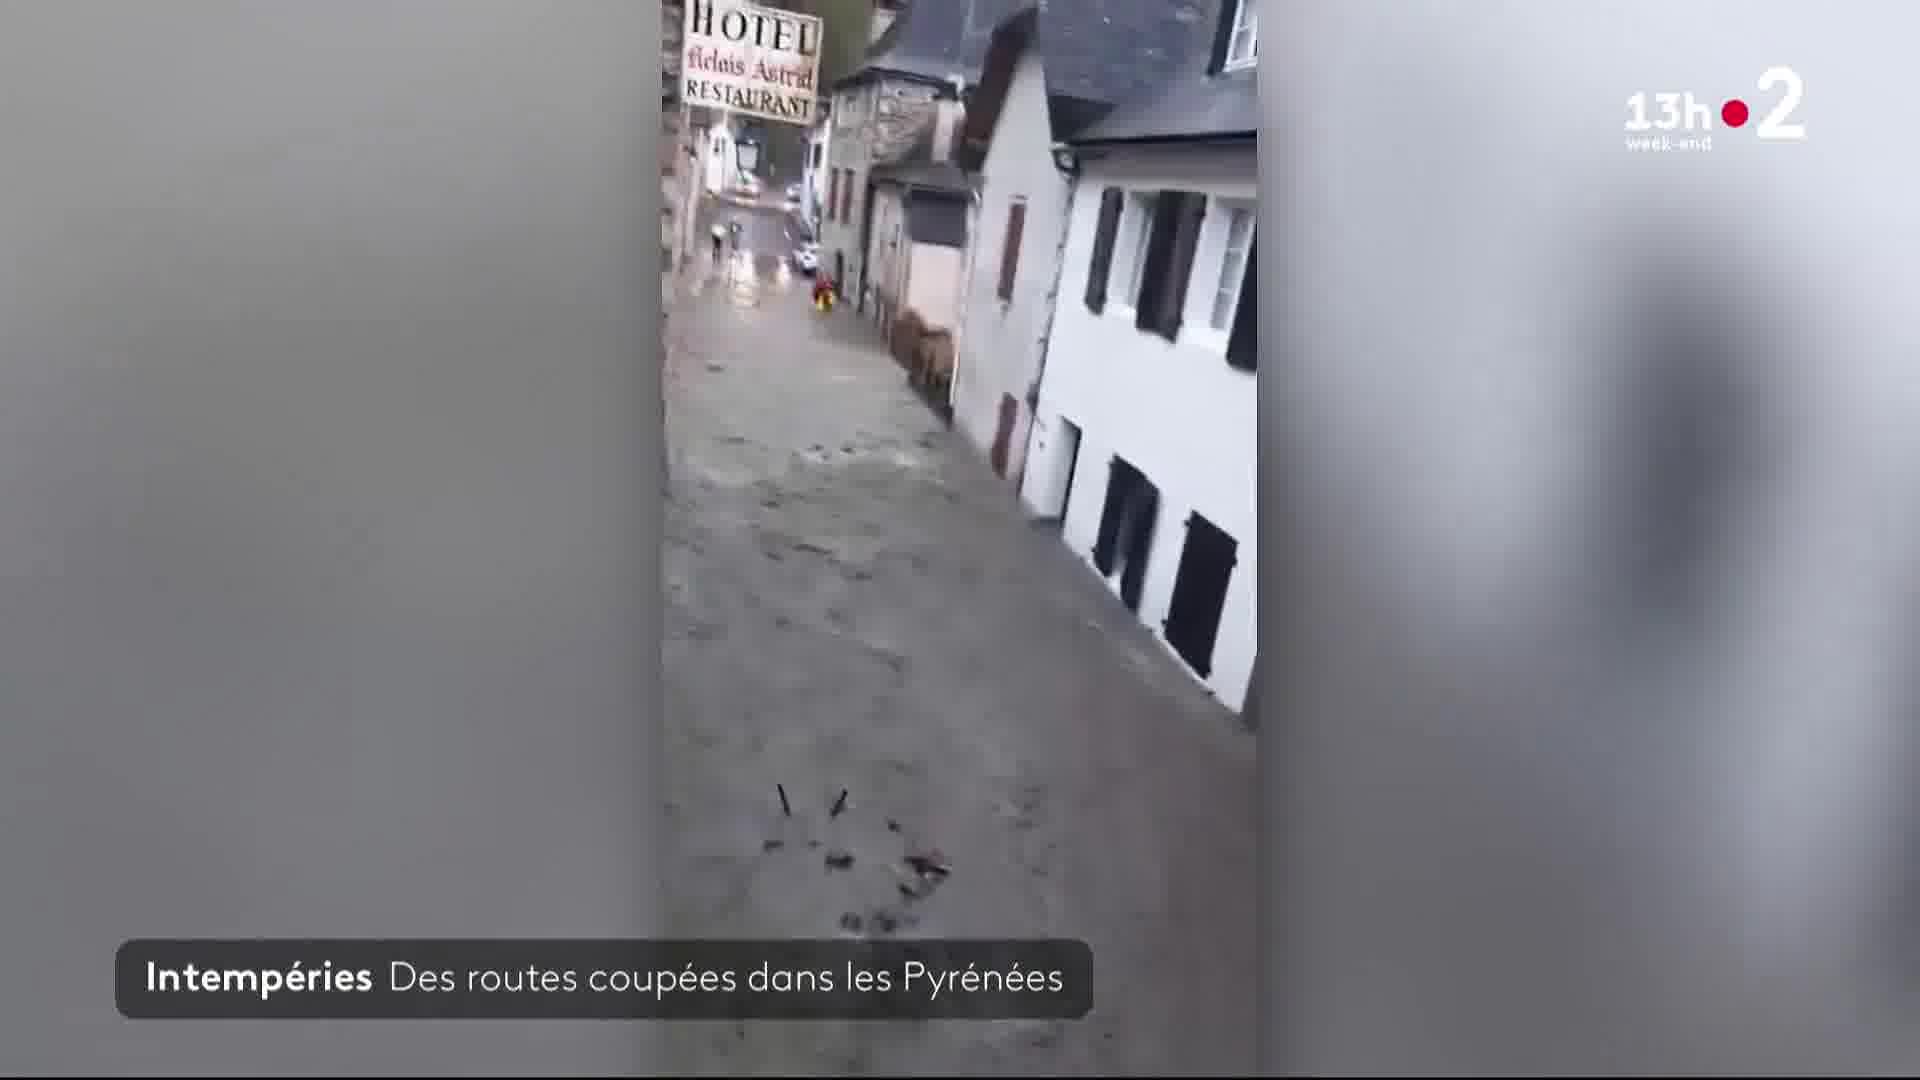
(948, 117)
(884, 13)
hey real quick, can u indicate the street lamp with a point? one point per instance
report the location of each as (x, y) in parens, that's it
(748, 154)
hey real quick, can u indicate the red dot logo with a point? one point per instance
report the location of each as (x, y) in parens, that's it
(1734, 113)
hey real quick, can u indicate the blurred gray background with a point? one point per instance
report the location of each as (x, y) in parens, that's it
(328, 493)
(1590, 477)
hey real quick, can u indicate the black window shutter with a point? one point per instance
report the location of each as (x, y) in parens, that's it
(1010, 248)
(1121, 482)
(1109, 538)
(1243, 349)
(1222, 36)
(1101, 268)
(1140, 521)
(1200, 593)
(1153, 273)
(1171, 300)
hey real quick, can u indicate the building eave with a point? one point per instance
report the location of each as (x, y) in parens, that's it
(1179, 138)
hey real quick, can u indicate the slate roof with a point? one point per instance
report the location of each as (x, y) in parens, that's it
(1096, 55)
(934, 40)
(1112, 51)
(1194, 102)
(1194, 106)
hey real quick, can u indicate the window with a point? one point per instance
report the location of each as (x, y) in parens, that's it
(818, 150)
(1010, 247)
(1243, 42)
(1127, 522)
(846, 195)
(1157, 235)
(833, 193)
(1137, 229)
(1167, 263)
(1233, 262)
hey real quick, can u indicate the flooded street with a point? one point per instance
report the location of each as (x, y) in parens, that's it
(856, 605)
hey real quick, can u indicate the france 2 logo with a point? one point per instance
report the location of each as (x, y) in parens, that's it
(1683, 112)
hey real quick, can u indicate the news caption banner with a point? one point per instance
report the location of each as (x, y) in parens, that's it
(448, 979)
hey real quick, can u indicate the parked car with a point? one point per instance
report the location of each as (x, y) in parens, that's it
(806, 257)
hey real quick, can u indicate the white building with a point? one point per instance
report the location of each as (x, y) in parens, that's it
(1144, 445)
(813, 177)
(721, 157)
(919, 234)
(1049, 72)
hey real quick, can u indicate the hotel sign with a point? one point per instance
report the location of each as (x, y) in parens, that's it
(750, 59)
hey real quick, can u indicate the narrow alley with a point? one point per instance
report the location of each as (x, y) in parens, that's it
(856, 603)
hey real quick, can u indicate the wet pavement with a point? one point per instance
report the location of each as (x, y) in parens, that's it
(768, 231)
(855, 603)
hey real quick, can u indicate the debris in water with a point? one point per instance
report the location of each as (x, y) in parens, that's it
(930, 863)
(786, 809)
(892, 825)
(773, 845)
(839, 804)
(838, 860)
(850, 922)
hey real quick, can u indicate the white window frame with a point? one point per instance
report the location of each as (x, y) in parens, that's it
(1130, 244)
(1243, 44)
(1212, 265)
(1231, 271)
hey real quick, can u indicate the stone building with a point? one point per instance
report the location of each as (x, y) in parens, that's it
(912, 85)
